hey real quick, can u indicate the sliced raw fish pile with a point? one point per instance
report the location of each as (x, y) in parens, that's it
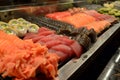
(23, 59)
(61, 45)
(82, 17)
(100, 17)
(94, 13)
(78, 19)
(98, 26)
(57, 15)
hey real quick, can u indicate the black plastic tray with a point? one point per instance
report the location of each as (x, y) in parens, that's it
(109, 70)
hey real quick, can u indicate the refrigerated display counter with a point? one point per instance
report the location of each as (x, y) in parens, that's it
(73, 68)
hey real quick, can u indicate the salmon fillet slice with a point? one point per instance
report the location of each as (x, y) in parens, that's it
(78, 19)
(98, 26)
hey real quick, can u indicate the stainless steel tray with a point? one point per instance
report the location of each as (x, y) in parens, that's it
(109, 70)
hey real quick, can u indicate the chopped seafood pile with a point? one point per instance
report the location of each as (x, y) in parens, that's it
(23, 59)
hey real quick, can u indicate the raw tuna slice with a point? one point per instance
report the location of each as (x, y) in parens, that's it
(46, 39)
(52, 43)
(30, 35)
(77, 49)
(45, 33)
(63, 56)
(65, 40)
(35, 39)
(42, 29)
(61, 45)
(42, 43)
(63, 48)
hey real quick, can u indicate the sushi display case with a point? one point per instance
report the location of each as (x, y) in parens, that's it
(71, 68)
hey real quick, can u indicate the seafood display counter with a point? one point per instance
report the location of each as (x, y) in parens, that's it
(65, 29)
